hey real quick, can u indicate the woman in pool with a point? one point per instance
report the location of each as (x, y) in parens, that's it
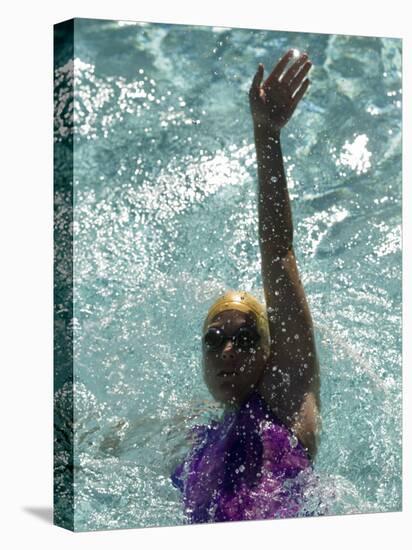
(263, 368)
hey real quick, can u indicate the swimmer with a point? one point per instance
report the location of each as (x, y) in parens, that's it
(259, 361)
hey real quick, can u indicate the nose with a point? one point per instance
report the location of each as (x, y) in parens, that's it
(228, 351)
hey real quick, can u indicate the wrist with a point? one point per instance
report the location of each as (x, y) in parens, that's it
(266, 131)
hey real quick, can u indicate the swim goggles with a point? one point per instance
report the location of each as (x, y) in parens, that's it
(244, 338)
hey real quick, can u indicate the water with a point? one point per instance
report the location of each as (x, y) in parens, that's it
(166, 218)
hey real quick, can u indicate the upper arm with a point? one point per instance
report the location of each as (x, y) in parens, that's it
(293, 365)
(308, 423)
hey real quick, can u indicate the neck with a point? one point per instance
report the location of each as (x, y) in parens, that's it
(231, 406)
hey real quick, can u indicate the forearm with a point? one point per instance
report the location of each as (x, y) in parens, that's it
(274, 210)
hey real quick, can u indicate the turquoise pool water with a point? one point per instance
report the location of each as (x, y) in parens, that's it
(165, 218)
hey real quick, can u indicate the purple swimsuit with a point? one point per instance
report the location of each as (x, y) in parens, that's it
(244, 467)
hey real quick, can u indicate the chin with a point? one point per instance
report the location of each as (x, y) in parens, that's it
(231, 396)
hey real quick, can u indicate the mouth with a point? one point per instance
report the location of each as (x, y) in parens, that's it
(227, 374)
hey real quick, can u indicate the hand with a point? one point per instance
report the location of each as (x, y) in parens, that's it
(273, 103)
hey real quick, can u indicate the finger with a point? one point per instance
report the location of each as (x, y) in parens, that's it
(257, 80)
(254, 91)
(294, 69)
(280, 67)
(299, 94)
(297, 81)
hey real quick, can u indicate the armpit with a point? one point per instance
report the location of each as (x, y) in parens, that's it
(308, 423)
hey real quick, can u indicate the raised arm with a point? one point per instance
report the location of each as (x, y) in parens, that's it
(291, 380)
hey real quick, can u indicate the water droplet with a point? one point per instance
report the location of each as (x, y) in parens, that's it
(293, 440)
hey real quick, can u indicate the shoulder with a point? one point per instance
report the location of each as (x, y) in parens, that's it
(200, 432)
(282, 451)
(197, 437)
(304, 424)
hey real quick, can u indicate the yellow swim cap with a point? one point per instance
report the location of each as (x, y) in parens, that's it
(246, 302)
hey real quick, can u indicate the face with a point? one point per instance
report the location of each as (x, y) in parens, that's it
(231, 373)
